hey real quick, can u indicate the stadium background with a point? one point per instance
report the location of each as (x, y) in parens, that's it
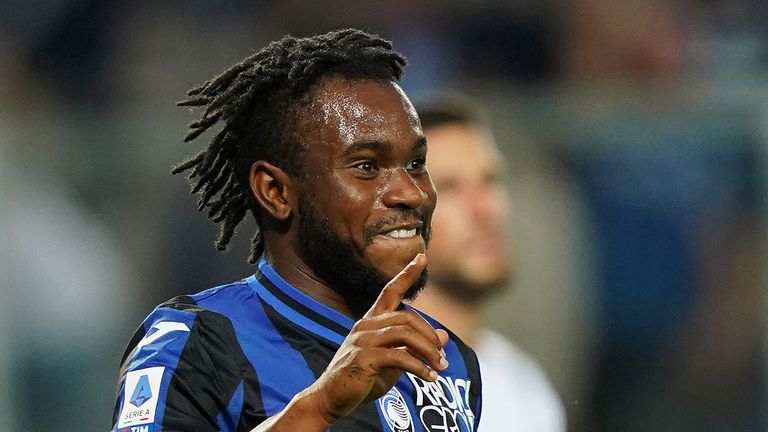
(637, 135)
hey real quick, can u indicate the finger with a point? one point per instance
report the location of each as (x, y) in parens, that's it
(443, 336)
(394, 292)
(402, 317)
(404, 336)
(382, 358)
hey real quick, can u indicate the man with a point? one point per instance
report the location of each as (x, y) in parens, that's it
(469, 263)
(322, 147)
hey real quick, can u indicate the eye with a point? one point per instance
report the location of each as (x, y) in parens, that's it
(417, 164)
(448, 185)
(367, 166)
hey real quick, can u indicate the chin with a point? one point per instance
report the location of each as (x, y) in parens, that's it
(495, 265)
(486, 279)
(391, 260)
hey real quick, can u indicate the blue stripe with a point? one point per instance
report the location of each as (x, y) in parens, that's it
(304, 299)
(293, 315)
(229, 418)
(281, 370)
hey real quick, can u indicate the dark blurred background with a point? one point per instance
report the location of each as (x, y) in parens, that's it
(637, 132)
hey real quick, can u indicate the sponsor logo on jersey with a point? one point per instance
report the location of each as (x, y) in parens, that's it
(138, 428)
(443, 405)
(395, 411)
(161, 329)
(140, 395)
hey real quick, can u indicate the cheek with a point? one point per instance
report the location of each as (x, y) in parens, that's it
(347, 207)
(500, 203)
(432, 198)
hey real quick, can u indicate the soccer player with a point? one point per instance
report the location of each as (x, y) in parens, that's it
(469, 263)
(321, 146)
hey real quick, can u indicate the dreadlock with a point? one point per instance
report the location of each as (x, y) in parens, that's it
(256, 100)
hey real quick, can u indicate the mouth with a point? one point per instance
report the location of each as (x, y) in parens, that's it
(405, 231)
(401, 233)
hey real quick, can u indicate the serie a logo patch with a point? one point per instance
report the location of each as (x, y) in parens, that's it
(140, 395)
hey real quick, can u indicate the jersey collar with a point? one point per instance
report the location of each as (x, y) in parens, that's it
(298, 307)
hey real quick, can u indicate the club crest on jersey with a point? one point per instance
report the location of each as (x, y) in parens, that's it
(140, 396)
(443, 405)
(395, 411)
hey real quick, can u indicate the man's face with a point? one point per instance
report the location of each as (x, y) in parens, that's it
(468, 256)
(366, 197)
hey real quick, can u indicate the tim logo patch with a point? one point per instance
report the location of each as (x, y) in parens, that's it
(139, 428)
(395, 411)
(140, 396)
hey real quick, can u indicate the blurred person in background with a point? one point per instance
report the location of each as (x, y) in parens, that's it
(470, 264)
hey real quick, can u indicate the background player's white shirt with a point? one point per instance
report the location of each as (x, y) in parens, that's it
(517, 395)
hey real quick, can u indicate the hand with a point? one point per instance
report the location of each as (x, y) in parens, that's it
(382, 345)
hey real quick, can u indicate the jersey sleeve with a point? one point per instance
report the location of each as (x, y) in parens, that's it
(180, 374)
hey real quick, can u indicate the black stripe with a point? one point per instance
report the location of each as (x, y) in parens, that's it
(137, 337)
(317, 353)
(473, 372)
(124, 363)
(209, 370)
(182, 303)
(293, 304)
(253, 413)
(364, 418)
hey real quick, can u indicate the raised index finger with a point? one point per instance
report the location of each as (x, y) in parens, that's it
(394, 292)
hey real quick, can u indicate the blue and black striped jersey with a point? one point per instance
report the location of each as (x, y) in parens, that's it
(227, 358)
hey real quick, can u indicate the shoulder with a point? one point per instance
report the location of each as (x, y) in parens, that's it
(517, 391)
(497, 352)
(172, 325)
(185, 363)
(505, 365)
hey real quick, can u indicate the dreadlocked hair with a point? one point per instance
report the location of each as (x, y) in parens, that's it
(255, 102)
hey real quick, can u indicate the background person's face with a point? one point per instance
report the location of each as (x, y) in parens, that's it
(367, 196)
(468, 256)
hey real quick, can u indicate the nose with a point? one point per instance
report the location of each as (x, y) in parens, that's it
(402, 190)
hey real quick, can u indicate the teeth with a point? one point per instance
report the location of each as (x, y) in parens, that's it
(402, 233)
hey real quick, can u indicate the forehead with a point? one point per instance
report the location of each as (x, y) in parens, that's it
(348, 110)
(456, 148)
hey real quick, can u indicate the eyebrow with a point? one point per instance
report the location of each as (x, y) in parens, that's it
(384, 146)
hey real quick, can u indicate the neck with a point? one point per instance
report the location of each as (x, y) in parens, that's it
(461, 318)
(291, 268)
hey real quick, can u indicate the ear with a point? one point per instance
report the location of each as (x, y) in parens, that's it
(273, 189)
